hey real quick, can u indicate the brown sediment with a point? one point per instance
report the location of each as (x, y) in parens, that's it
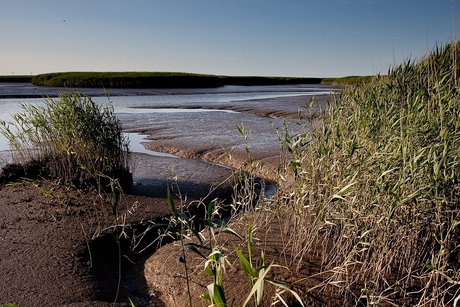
(56, 244)
(214, 136)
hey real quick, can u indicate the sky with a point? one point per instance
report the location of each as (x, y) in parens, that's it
(298, 38)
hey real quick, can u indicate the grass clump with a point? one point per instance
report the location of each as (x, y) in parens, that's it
(348, 80)
(71, 139)
(376, 189)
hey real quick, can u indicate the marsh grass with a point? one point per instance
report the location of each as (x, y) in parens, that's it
(16, 78)
(200, 235)
(71, 139)
(376, 189)
(126, 79)
(348, 80)
(158, 80)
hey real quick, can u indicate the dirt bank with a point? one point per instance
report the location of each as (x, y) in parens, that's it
(56, 244)
(56, 247)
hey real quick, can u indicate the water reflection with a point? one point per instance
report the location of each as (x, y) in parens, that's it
(170, 101)
(135, 144)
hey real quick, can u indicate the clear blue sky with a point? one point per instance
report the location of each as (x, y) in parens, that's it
(308, 38)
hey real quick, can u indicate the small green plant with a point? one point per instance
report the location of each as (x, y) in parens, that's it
(72, 139)
(187, 227)
(215, 267)
(216, 260)
(257, 274)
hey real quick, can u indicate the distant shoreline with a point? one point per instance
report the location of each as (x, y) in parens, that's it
(27, 90)
(166, 80)
(150, 80)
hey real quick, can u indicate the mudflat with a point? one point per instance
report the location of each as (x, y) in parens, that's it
(56, 244)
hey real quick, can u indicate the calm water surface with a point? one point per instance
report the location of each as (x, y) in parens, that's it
(167, 101)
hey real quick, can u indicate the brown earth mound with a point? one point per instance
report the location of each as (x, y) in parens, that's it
(57, 246)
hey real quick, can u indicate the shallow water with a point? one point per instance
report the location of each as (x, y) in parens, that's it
(135, 142)
(127, 100)
(192, 108)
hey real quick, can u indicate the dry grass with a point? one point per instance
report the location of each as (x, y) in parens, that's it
(376, 191)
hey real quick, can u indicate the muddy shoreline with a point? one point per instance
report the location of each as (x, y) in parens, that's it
(215, 136)
(56, 246)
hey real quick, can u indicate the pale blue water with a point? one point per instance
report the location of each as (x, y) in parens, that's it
(165, 100)
(136, 141)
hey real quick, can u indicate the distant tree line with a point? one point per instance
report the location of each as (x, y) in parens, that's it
(157, 80)
(167, 80)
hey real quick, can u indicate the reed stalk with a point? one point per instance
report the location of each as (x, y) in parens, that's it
(376, 190)
(72, 139)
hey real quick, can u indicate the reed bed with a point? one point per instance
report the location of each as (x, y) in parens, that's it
(376, 189)
(71, 139)
(254, 80)
(157, 80)
(348, 80)
(126, 79)
(16, 78)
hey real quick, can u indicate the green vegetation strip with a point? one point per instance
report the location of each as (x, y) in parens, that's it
(168, 80)
(126, 80)
(18, 78)
(349, 80)
(157, 80)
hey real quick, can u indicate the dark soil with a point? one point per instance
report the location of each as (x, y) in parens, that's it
(57, 245)
(164, 273)
(57, 249)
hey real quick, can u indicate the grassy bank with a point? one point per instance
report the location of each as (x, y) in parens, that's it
(377, 188)
(157, 80)
(169, 80)
(18, 78)
(126, 80)
(348, 80)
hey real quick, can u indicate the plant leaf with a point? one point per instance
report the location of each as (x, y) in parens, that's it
(208, 271)
(193, 248)
(284, 287)
(131, 302)
(257, 286)
(216, 295)
(231, 232)
(206, 297)
(245, 263)
(170, 200)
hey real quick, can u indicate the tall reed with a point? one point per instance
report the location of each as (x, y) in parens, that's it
(376, 190)
(72, 138)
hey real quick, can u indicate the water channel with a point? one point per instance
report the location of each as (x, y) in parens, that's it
(191, 109)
